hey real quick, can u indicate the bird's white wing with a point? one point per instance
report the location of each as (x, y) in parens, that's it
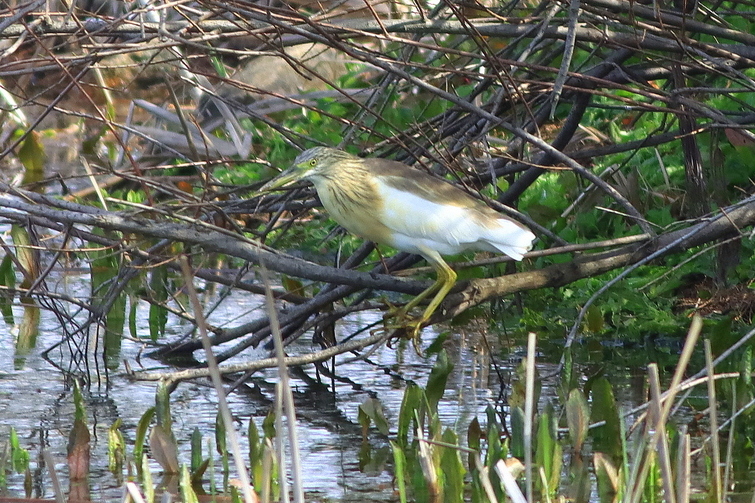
(417, 223)
(413, 220)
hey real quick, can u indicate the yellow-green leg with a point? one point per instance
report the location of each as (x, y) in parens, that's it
(444, 283)
(446, 277)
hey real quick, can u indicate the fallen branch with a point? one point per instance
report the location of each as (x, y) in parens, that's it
(317, 356)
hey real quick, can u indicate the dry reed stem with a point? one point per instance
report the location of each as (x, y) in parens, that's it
(212, 367)
(284, 397)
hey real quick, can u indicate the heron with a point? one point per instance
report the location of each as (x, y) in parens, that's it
(390, 203)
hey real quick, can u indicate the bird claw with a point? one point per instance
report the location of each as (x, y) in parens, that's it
(396, 317)
(404, 326)
(394, 311)
(416, 339)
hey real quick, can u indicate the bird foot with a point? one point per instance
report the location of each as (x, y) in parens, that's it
(414, 330)
(400, 312)
(394, 311)
(404, 326)
(396, 317)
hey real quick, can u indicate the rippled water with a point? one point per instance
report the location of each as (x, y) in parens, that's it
(35, 399)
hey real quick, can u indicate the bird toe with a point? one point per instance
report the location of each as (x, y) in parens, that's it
(405, 327)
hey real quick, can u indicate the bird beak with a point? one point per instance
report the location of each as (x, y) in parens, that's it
(290, 175)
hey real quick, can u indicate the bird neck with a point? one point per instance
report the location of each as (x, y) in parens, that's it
(347, 189)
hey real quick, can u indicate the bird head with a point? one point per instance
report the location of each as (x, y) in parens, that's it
(310, 164)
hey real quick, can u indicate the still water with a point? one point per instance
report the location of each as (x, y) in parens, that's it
(36, 399)
(36, 395)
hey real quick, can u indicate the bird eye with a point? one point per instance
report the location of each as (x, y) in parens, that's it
(313, 162)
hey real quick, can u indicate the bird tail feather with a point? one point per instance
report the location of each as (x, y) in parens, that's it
(511, 238)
